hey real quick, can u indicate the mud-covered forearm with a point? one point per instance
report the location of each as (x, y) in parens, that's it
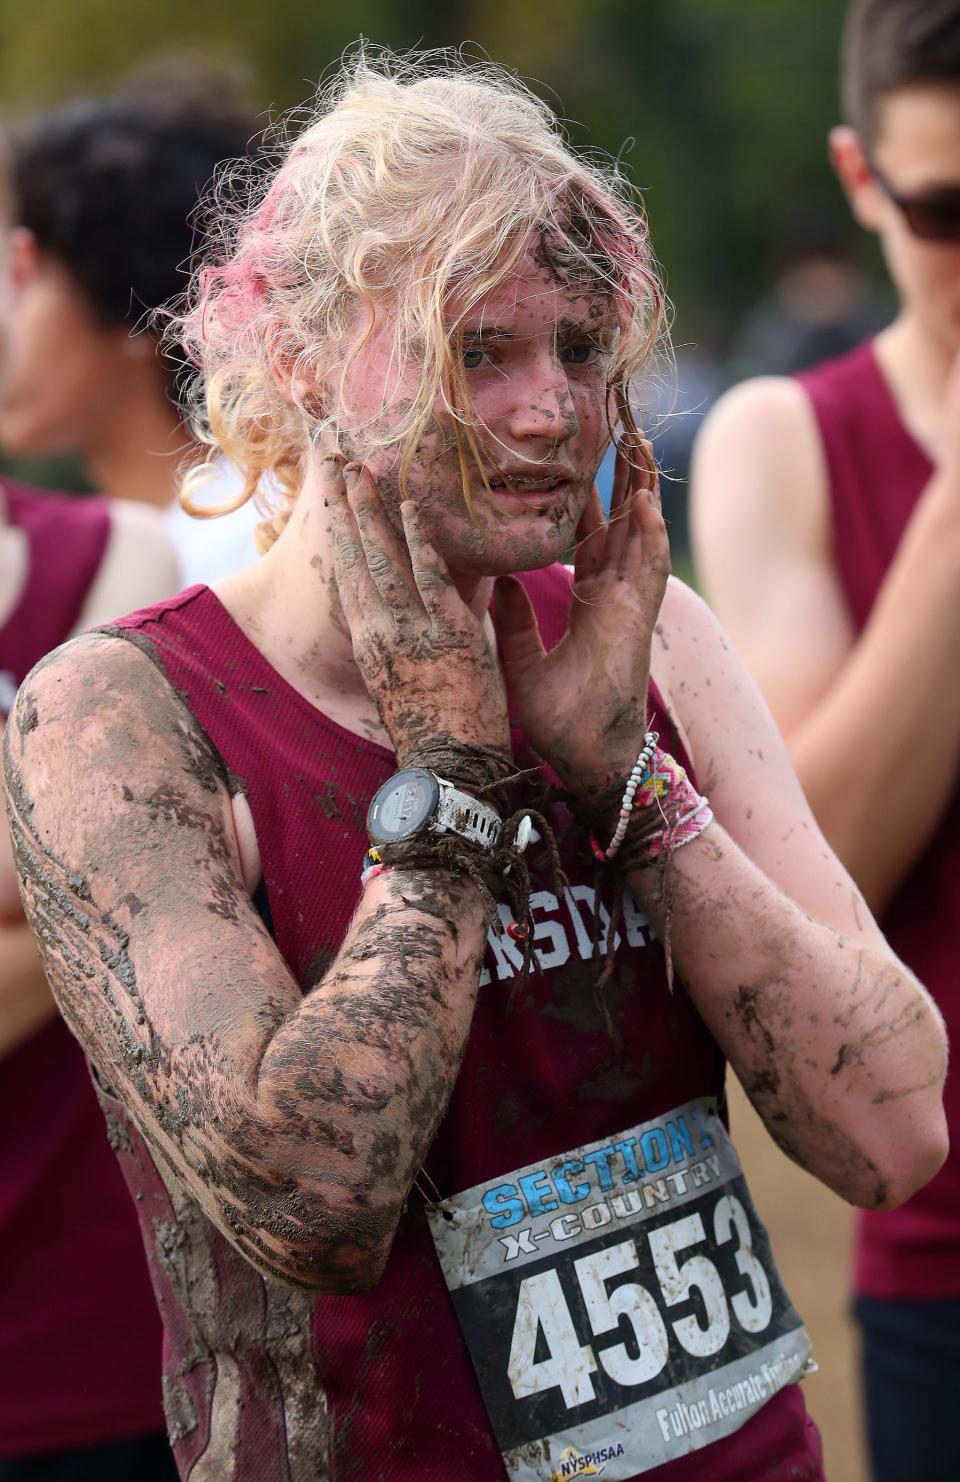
(25, 999)
(10, 909)
(360, 1075)
(839, 1048)
(298, 1123)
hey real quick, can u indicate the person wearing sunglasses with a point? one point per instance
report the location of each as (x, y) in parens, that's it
(826, 524)
(931, 215)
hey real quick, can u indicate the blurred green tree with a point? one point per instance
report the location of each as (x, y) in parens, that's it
(718, 109)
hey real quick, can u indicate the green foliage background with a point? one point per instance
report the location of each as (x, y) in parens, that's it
(718, 108)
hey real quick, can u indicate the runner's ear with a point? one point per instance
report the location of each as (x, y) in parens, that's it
(849, 160)
(299, 390)
(24, 256)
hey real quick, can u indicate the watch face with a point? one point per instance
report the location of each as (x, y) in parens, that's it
(403, 805)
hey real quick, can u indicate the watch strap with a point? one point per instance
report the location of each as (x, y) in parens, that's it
(463, 814)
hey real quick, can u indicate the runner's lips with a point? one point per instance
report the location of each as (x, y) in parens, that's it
(541, 496)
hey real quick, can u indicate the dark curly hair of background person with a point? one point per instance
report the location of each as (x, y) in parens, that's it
(110, 188)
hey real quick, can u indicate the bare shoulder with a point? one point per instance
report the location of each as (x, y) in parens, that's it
(97, 700)
(132, 883)
(759, 459)
(766, 409)
(762, 541)
(68, 687)
(140, 565)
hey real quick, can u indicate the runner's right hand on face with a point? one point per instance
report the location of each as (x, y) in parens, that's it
(424, 657)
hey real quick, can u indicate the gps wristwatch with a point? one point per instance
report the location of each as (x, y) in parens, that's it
(415, 803)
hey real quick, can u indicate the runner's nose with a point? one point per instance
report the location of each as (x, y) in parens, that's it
(543, 406)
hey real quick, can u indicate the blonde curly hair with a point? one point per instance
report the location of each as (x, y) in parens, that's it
(414, 189)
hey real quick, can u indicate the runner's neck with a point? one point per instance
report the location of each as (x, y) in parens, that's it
(916, 367)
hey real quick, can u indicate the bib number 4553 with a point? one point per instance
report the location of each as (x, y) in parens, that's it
(543, 1313)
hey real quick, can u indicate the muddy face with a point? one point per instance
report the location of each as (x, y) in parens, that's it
(534, 358)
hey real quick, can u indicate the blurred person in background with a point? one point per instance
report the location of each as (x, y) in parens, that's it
(80, 1336)
(821, 303)
(321, 1065)
(827, 530)
(106, 192)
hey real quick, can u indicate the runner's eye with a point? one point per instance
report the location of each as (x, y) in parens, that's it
(580, 354)
(472, 359)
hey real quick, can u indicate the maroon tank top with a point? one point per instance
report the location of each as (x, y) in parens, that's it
(877, 473)
(263, 1384)
(79, 1333)
(66, 539)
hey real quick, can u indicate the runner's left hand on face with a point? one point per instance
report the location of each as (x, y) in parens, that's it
(584, 705)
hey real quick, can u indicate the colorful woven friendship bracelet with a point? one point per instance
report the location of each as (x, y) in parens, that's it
(658, 776)
(689, 825)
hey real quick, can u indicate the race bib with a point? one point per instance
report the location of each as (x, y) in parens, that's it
(620, 1302)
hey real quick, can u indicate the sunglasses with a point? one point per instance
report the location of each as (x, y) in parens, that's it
(932, 218)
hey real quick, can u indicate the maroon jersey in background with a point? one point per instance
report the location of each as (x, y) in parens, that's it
(79, 1332)
(876, 474)
(263, 1384)
(66, 540)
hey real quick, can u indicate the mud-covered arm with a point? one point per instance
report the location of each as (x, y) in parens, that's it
(25, 999)
(297, 1122)
(10, 907)
(841, 1050)
(838, 1046)
(9, 894)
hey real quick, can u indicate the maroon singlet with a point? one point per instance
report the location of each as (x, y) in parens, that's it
(263, 1384)
(79, 1333)
(876, 473)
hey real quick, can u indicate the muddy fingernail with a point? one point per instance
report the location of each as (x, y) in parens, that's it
(351, 475)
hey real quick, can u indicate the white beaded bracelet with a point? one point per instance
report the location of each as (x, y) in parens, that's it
(634, 781)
